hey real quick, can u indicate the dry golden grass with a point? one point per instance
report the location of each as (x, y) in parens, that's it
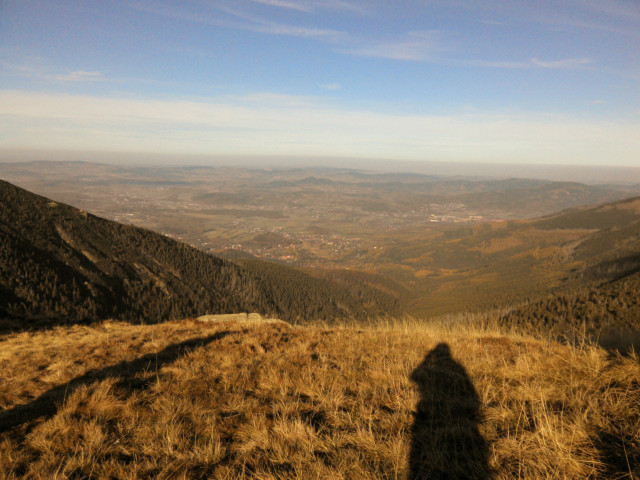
(398, 400)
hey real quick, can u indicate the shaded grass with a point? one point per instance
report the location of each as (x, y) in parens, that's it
(275, 401)
(131, 375)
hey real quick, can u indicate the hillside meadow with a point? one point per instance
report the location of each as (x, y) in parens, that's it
(396, 400)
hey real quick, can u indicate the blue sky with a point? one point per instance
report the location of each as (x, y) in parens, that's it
(477, 81)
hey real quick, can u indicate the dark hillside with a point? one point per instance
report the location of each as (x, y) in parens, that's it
(609, 313)
(60, 264)
(323, 294)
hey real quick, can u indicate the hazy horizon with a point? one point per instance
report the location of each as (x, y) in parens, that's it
(589, 174)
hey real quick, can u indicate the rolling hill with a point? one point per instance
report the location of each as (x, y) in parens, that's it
(502, 264)
(61, 264)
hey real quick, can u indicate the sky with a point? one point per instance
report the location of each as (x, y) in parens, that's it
(522, 81)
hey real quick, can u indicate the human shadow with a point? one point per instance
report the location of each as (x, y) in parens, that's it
(446, 442)
(127, 372)
(619, 341)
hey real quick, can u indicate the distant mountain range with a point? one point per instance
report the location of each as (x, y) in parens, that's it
(59, 264)
(394, 192)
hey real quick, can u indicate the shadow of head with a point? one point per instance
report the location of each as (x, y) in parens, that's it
(446, 442)
(620, 341)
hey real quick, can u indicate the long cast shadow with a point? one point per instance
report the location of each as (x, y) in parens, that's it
(14, 324)
(446, 442)
(46, 405)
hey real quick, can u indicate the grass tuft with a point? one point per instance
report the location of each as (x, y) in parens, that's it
(400, 399)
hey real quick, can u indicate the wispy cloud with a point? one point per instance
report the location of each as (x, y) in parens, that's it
(240, 20)
(78, 76)
(436, 46)
(297, 31)
(602, 27)
(301, 7)
(38, 71)
(563, 64)
(22, 69)
(613, 8)
(618, 17)
(414, 46)
(433, 46)
(330, 86)
(312, 5)
(270, 100)
(611, 16)
(495, 23)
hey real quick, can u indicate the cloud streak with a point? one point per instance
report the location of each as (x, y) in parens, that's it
(414, 46)
(309, 6)
(330, 86)
(612, 8)
(561, 64)
(564, 64)
(78, 76)
(268, 124)
(301, 7)
(428, 46)
(240, 20)
(39, 72)
(433, 47)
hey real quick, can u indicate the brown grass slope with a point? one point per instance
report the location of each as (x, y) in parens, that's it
(189, 400)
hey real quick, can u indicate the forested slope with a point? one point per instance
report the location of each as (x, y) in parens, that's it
(608, 312)
(60, 264)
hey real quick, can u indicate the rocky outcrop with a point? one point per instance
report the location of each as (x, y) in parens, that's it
(237, 317)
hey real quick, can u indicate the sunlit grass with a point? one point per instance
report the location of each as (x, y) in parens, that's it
(191, 400)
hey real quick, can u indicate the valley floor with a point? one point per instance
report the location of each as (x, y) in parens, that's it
(191, 400)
